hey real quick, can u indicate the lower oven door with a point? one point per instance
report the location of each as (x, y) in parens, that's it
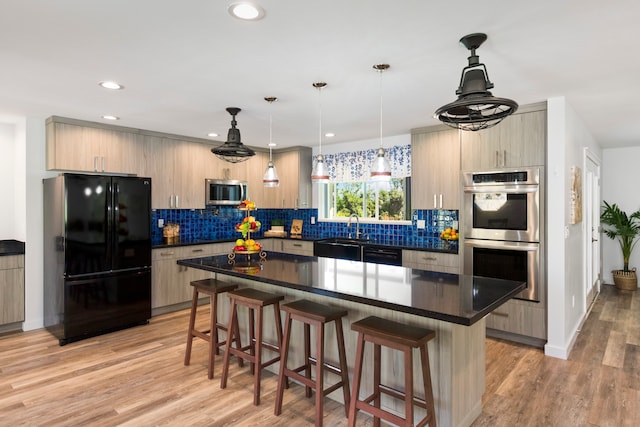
(505, 260)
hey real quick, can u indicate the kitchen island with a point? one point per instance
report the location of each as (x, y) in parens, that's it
(452, 305)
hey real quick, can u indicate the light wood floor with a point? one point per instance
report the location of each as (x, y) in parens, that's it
(136, 378)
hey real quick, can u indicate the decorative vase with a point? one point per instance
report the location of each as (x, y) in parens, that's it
(625, 280)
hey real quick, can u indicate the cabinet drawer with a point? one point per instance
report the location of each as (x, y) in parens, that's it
(434, 261)
(519, 318)
(297, 247)
(11, 261)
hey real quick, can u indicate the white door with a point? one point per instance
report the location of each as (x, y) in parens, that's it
(592, 234)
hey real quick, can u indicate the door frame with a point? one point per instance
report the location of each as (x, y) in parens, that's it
(591, 227)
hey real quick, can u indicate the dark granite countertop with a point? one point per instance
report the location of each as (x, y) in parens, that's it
(11, 247)
(192, 242)
(453, 298)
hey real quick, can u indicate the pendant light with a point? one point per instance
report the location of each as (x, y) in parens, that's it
(319, 172)
(270, 177)
(233, 151)
(476, 108)
(380, 168)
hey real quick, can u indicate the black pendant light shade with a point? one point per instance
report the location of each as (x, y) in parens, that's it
(476, 108)
(233, 151)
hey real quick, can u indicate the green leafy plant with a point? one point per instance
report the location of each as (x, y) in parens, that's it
(623, 228)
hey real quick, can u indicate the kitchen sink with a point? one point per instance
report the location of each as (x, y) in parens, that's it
(357, 250)
(339, 247)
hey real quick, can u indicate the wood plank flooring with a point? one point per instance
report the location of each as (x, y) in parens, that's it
(136, 378)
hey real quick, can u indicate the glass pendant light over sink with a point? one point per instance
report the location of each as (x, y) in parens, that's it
(476, 108)
(319, 173)
(233, 151)
(380, 168)
(270, 177)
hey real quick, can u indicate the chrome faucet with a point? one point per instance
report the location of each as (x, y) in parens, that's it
(357, 225)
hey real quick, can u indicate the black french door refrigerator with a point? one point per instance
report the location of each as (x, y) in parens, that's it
(97, 254)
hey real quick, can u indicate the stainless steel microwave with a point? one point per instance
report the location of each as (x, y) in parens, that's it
(224, 192)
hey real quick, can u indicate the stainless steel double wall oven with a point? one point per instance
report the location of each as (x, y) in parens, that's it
(503, 226)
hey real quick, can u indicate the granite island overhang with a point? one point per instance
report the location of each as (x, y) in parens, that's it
(454, 298)
(453, 305)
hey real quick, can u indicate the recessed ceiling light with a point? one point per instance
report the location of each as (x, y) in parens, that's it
(329, 134)
(111, 85)
(212, 134)
(245, 10)
(111, 117)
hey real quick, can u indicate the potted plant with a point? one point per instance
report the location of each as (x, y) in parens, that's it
(626, 230)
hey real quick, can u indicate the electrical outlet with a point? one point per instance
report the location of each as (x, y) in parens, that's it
(421, 224)
(160, 223)
(313, 220)
(456, 225)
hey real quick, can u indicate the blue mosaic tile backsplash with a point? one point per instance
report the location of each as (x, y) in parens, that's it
(219, 224)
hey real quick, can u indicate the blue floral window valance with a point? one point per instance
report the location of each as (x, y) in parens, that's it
(354, 165)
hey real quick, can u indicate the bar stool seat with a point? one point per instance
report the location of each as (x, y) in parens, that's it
(400, 337)
(313, 314)
(255, 301)
(210, 287)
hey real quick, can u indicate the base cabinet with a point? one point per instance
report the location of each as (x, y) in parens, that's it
(11, 289)
(170, 282)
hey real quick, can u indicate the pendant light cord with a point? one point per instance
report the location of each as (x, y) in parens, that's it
(320, 120)
(380, 85)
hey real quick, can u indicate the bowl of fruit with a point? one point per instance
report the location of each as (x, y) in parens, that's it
(449, 234)
(248, 246)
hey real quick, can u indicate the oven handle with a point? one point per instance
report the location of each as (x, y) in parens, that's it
(503, 244)
(516, 189)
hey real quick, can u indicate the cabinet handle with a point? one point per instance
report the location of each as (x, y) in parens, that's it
(500, 314)
(497, 158)
(297, 245)
(504, 158)
(430, 258)
(197, 250)
(435, 201)
(102, 160)
(177, 202)
(95, 163)
(166, 253)
(440, 200)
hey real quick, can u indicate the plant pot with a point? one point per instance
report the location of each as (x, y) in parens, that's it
(625, 280)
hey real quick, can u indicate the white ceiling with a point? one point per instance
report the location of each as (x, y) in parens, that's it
(184, 61)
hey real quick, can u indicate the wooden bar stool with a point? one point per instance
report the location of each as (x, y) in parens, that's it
(255, 301)
(211, 287)
(400, 337)
(318, 315)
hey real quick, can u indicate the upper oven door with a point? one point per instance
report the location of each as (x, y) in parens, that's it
(502, 212)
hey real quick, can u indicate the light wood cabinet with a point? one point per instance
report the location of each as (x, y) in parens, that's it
(297, 247)
(294, 169)
(86, 147)
(520, 317)
(519, 140)
(263, 197)
(170, 282)
(435, 168)
(11, 289)
(431, 261)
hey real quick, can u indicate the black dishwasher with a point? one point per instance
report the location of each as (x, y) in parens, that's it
(382, 255)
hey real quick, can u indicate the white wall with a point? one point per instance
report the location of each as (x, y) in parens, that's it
(567, 138)
(12, 179)
(620, 172)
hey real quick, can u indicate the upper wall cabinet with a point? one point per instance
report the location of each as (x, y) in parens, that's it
(80, 146)
(435, 168)
(519, 140)
(294, 169)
